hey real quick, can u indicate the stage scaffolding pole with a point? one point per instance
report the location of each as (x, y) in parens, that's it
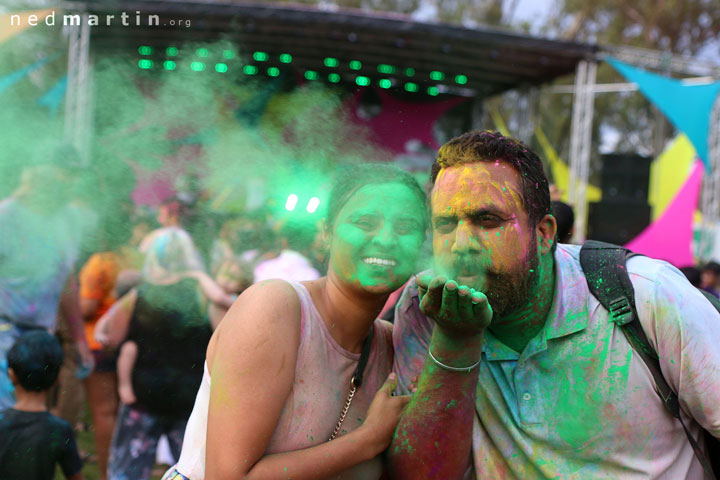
(580, 144)
(78, 104)
(710, 194)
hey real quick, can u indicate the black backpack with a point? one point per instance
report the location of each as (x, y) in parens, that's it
(608, 281)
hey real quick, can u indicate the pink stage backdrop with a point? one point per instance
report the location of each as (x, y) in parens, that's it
(400, 121)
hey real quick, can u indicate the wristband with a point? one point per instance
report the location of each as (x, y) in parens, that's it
(450, 368)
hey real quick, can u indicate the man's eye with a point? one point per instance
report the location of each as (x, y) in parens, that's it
(487, 220)
(445, 226)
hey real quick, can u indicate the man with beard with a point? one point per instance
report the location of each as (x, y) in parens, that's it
(522, 374)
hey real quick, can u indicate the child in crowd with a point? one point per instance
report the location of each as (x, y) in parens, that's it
(32, 441)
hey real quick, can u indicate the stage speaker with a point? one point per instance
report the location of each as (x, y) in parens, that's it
(625, 177)
(617, 221)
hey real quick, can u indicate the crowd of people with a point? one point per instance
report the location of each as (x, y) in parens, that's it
(262, 353)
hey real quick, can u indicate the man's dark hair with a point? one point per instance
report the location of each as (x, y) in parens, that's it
(36, 358)
(565, 219)
(488, 146)
(351, 179)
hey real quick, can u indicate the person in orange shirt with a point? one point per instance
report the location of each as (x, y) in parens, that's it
(98, 280)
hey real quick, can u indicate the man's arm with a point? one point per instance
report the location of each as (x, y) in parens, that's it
(684, 329)
(434, 436)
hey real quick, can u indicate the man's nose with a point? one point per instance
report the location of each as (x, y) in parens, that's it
(465, 240)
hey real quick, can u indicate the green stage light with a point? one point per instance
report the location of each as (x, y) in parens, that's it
(169, 65)
(197, 66)
(260, 56)
(250, 70)
(285, 58)
(273, 71)
(291, 202)
(145, 50)
(460, 79)
(385, 68)
(433, 91)
(362, 81)
(313, 205)
(145, 64)
(171, 51)
(334, 77)
(202, 52)
(411, 87)
(410, 72)
(221, 67)
(435, 75)
(331, 62)
(228, 54)
(311, 75)
(355, 64)
(385, 83)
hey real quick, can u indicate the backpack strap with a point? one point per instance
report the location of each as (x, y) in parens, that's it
(604, 266)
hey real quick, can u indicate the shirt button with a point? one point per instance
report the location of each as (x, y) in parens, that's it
(526, 396)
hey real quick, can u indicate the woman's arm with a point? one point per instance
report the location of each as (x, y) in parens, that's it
(112, 328)
(253, 369)
(125, 364)
(211, 289)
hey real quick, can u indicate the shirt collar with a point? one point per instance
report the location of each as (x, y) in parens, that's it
(569, 311)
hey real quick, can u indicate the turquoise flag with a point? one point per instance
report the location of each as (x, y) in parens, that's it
(688, 107)
(9, 80)
(52, 98)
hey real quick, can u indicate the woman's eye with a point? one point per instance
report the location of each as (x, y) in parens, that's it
(404, 228)
(365, 222)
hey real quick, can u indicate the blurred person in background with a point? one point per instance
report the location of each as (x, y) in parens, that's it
(710, 278)
(162, 328)
(32, 441)
(98, 279)
(171, 216)
(42, 230)
(285, 258)
(565, 218)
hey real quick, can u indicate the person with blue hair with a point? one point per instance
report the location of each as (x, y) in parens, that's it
(162, 328)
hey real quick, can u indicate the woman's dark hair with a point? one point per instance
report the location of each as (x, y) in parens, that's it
(350, 179)
(488, 146)
(36, 358)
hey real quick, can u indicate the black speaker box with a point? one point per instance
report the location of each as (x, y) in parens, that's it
(625, 176)
(616, 221)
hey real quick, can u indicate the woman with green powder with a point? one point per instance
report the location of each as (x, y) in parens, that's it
(297, 381)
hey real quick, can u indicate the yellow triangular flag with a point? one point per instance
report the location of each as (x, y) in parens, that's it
(560, 171)
(669, 172)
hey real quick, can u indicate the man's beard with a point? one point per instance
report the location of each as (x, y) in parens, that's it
(508, 292)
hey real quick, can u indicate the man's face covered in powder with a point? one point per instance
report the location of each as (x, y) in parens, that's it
(481, 234)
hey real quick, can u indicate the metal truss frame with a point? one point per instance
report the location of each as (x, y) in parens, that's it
(78, 96)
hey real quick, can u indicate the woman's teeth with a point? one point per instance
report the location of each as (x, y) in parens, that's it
(380, 261)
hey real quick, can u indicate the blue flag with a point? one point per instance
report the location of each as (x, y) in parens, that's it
(687, 107)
